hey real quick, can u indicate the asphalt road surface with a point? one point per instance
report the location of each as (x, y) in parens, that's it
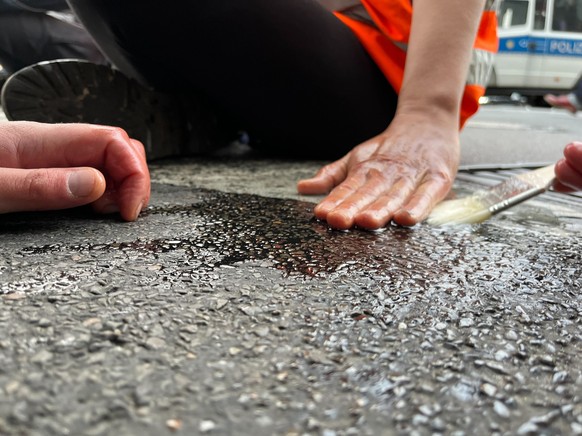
(226, 309)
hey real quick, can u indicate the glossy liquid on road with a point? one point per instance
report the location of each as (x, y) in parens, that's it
(216, 302)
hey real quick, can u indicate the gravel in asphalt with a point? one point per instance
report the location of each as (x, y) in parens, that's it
(236, 313)
(226, 309)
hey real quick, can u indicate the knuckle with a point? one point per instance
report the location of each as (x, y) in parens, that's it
(112, 135)
(441, 176)
(139, 145)
(425, 198)
(118, 134)
(35, 184)
(369, 190)
(117, 143)
(374, 174)
(324, 172)
(380, 166)
(348, 185)
(361, 168)
(328, 170)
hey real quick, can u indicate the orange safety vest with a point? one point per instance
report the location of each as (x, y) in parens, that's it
(383, 27)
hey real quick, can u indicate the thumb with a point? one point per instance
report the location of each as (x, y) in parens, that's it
(48, 189)
(327, 178)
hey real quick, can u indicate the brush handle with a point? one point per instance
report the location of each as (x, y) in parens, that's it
(542, 177)
(520, 198)
(540, 180)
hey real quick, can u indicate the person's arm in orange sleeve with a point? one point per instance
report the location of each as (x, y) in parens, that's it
(402, 173)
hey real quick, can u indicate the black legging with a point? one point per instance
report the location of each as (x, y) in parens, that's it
(29, 37)
(291, 74)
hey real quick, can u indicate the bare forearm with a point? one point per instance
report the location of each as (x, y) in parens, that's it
(438, 55)
(400, 174)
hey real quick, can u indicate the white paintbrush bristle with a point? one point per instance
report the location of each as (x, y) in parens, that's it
(468, 210)
(481, 205)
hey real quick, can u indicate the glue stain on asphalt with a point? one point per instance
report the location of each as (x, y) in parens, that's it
(229, 229)
(246, 304)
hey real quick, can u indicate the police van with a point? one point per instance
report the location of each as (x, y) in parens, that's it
(540, 48)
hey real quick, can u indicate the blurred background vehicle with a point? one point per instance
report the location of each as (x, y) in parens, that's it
(540, 50)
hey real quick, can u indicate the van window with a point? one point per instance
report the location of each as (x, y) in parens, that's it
(567, 16)
(513, 13)
(540, 15)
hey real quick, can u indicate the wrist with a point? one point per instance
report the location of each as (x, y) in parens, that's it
(442, 113)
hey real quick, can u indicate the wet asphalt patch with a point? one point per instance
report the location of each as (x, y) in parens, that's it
(234, 314)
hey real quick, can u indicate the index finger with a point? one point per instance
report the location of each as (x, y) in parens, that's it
(573, 154)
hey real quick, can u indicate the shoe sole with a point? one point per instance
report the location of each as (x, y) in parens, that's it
(73, 91)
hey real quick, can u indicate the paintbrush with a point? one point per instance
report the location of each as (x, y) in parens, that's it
(486, 203)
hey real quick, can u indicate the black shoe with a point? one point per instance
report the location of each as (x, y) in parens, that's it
(75, 91)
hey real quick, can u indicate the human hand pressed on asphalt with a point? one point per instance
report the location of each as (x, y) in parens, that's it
(569, 169)
(60, 166)
(398, 175)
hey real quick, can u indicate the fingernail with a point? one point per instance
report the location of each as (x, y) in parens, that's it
(81, 183)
